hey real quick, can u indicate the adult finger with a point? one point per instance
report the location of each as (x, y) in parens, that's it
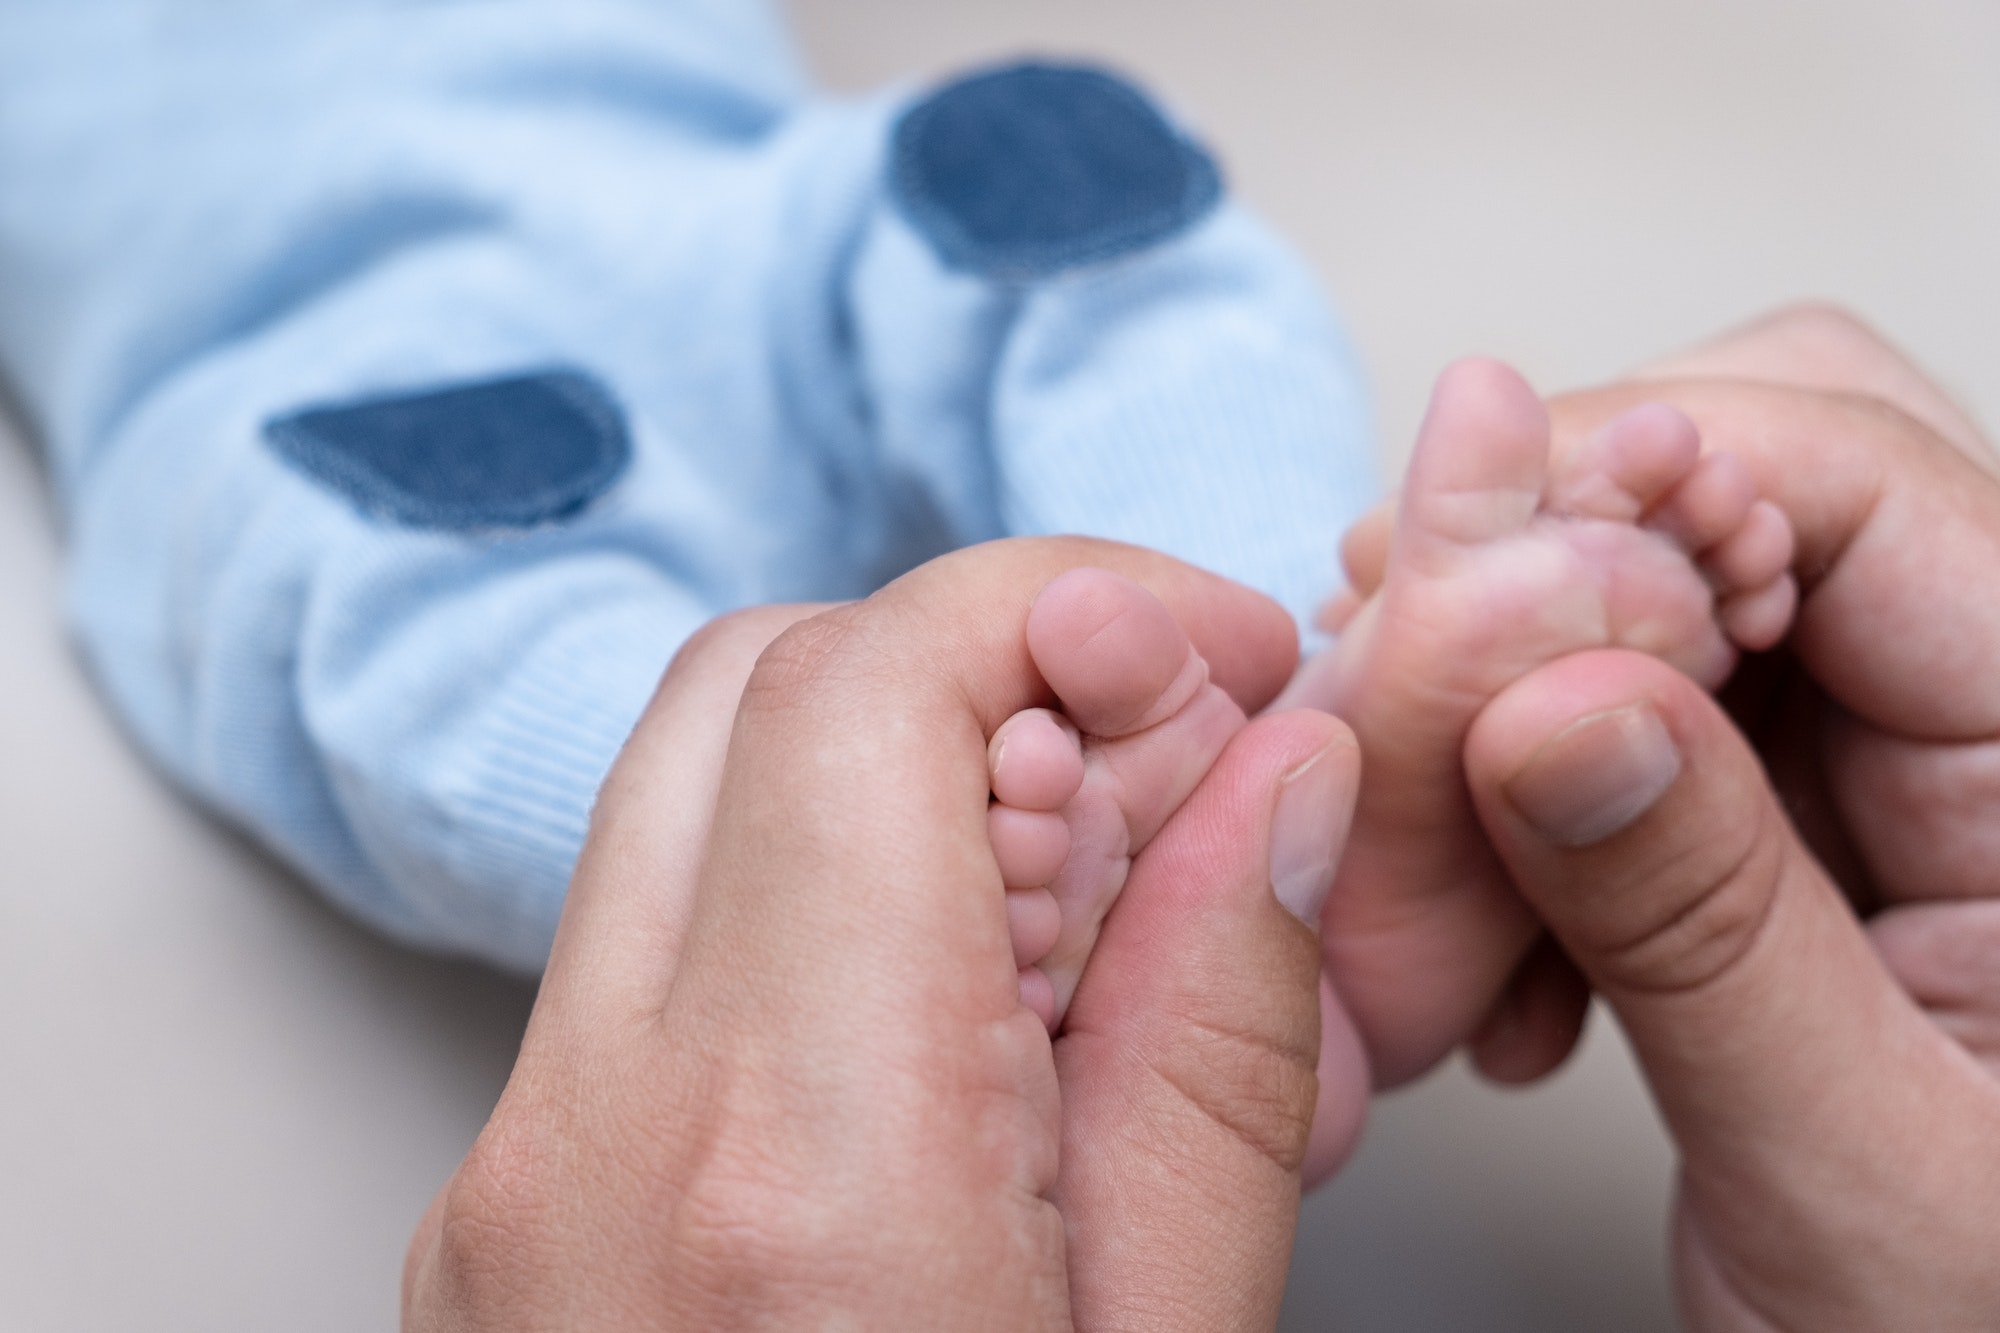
(630, 899)
(541, 1161)
(1188, 1060)
(1796, 1077)
(1813, 345)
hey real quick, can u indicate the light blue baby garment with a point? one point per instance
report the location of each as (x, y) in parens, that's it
(417, 376)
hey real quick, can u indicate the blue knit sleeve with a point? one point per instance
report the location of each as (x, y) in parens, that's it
(225, 231)
(416, 377)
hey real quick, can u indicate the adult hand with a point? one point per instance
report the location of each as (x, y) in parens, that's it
(1830, 419)
(1839, 1131)
(779, 1073)
(1885, 688)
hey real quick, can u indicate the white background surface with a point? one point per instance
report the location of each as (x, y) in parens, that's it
(222, 1108)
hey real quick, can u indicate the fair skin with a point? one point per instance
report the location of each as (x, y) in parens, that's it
(779, 1072)
(1506, 555)
(1501, 562)
(1831, 1083)
(1078, 793)
(1773, 394)
(1829, 1098)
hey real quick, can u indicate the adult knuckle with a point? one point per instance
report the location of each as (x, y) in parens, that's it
(728, 634)
(1824, 320)
(1258, 1086)
(730, 642)
(496, 1214)
(1846, 348)
(749, 1234)
(797, 667)
(1722, 893)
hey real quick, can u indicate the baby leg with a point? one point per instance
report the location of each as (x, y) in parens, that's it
(1078, 793)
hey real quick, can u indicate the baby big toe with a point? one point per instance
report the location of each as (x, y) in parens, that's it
(1128, 675)
(1479, 465)
(1134, 785)
(1112, 652)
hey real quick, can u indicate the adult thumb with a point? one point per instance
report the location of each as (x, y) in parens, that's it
(1188, 1060)
(1796, 1077)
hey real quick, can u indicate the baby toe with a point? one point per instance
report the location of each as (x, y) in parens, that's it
(1758, 552)
(1707, 507)
(1033, 923)
(1479, 466)
(1633, 462)
(1029, 845)
(1364, 547)
(1035, 760)
(1039, 996)
(1759, 618)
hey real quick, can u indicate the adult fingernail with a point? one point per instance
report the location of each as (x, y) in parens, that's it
(1596, 776)
(1306, 834)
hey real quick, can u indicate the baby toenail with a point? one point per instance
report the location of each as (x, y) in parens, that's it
(1597, 776)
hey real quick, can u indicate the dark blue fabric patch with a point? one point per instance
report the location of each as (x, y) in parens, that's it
(1028, 170)
(502, 453)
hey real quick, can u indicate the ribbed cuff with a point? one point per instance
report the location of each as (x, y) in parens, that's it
(518, 807)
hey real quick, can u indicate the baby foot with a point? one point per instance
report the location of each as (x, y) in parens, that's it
(1077, 794)
(1499, 562)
